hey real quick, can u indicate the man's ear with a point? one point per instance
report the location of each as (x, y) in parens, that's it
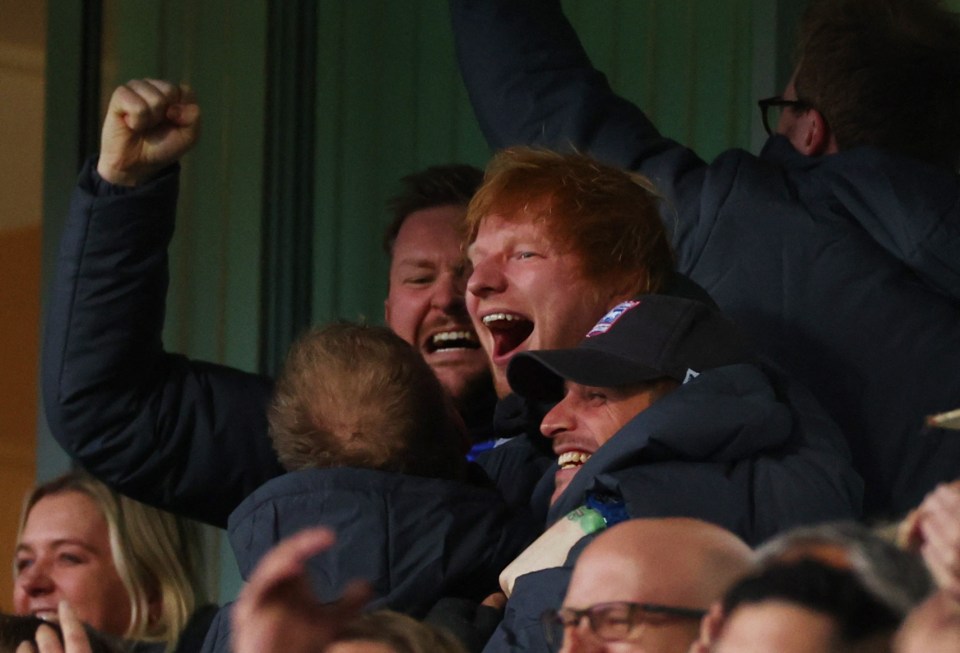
(710, 627)
(812, 135)
(386, 311)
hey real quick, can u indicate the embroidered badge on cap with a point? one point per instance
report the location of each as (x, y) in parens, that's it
(611, 318)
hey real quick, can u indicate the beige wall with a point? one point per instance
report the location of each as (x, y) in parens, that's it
(22, 45)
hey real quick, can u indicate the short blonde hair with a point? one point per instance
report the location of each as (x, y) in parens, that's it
(156, 554)
(353, 395)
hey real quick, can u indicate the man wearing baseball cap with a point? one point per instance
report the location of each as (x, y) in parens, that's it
(664, 411)
(664, 405)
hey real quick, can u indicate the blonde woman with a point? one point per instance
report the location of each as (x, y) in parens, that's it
(126, 569)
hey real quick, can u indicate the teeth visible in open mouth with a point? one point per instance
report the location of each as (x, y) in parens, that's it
(509, 332)
(501, 317)
(453, 335)
(572, 459)
(454, 340)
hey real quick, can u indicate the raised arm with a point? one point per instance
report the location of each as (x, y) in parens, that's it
(183, 435)
(531, 83)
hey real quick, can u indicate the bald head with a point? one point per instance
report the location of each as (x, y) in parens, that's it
(677, 562)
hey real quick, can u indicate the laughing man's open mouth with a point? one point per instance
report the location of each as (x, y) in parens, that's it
(509, 331)
(451, 340)
(571, 459)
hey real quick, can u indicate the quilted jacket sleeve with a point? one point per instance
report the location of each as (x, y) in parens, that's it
(184, 435)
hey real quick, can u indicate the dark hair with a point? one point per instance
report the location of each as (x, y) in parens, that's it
(897, 577)
(353, 395)
(822, 588)
(442, 185)
(884, 73)
(608, 217)
(15, 629)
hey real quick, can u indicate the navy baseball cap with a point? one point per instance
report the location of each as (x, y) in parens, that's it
(647, 338)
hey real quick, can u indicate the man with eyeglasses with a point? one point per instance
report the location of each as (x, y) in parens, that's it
(837, 248)
(644, 585)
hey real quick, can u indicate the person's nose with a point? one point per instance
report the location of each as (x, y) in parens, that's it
(448, 295)
(577, 638)
(35, 580)
(487, 278)
(559, 420)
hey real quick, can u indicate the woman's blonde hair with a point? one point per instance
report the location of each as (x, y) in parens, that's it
(158, 556)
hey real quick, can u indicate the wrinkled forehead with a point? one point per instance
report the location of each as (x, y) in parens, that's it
(497, 232)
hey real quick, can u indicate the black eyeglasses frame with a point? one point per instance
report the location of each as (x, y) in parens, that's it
(778, 101)
(551, 619)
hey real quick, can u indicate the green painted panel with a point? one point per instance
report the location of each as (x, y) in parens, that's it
(390, 101)
(328, 184)
(67, 137)
(288, 215)
(689, 68)
(445, 130)
(218, 48)
(223, 182)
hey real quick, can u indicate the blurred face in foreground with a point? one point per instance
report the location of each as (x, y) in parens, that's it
(776, 626)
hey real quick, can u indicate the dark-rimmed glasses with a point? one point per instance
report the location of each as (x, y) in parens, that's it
(778, 102)
(615, 621)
